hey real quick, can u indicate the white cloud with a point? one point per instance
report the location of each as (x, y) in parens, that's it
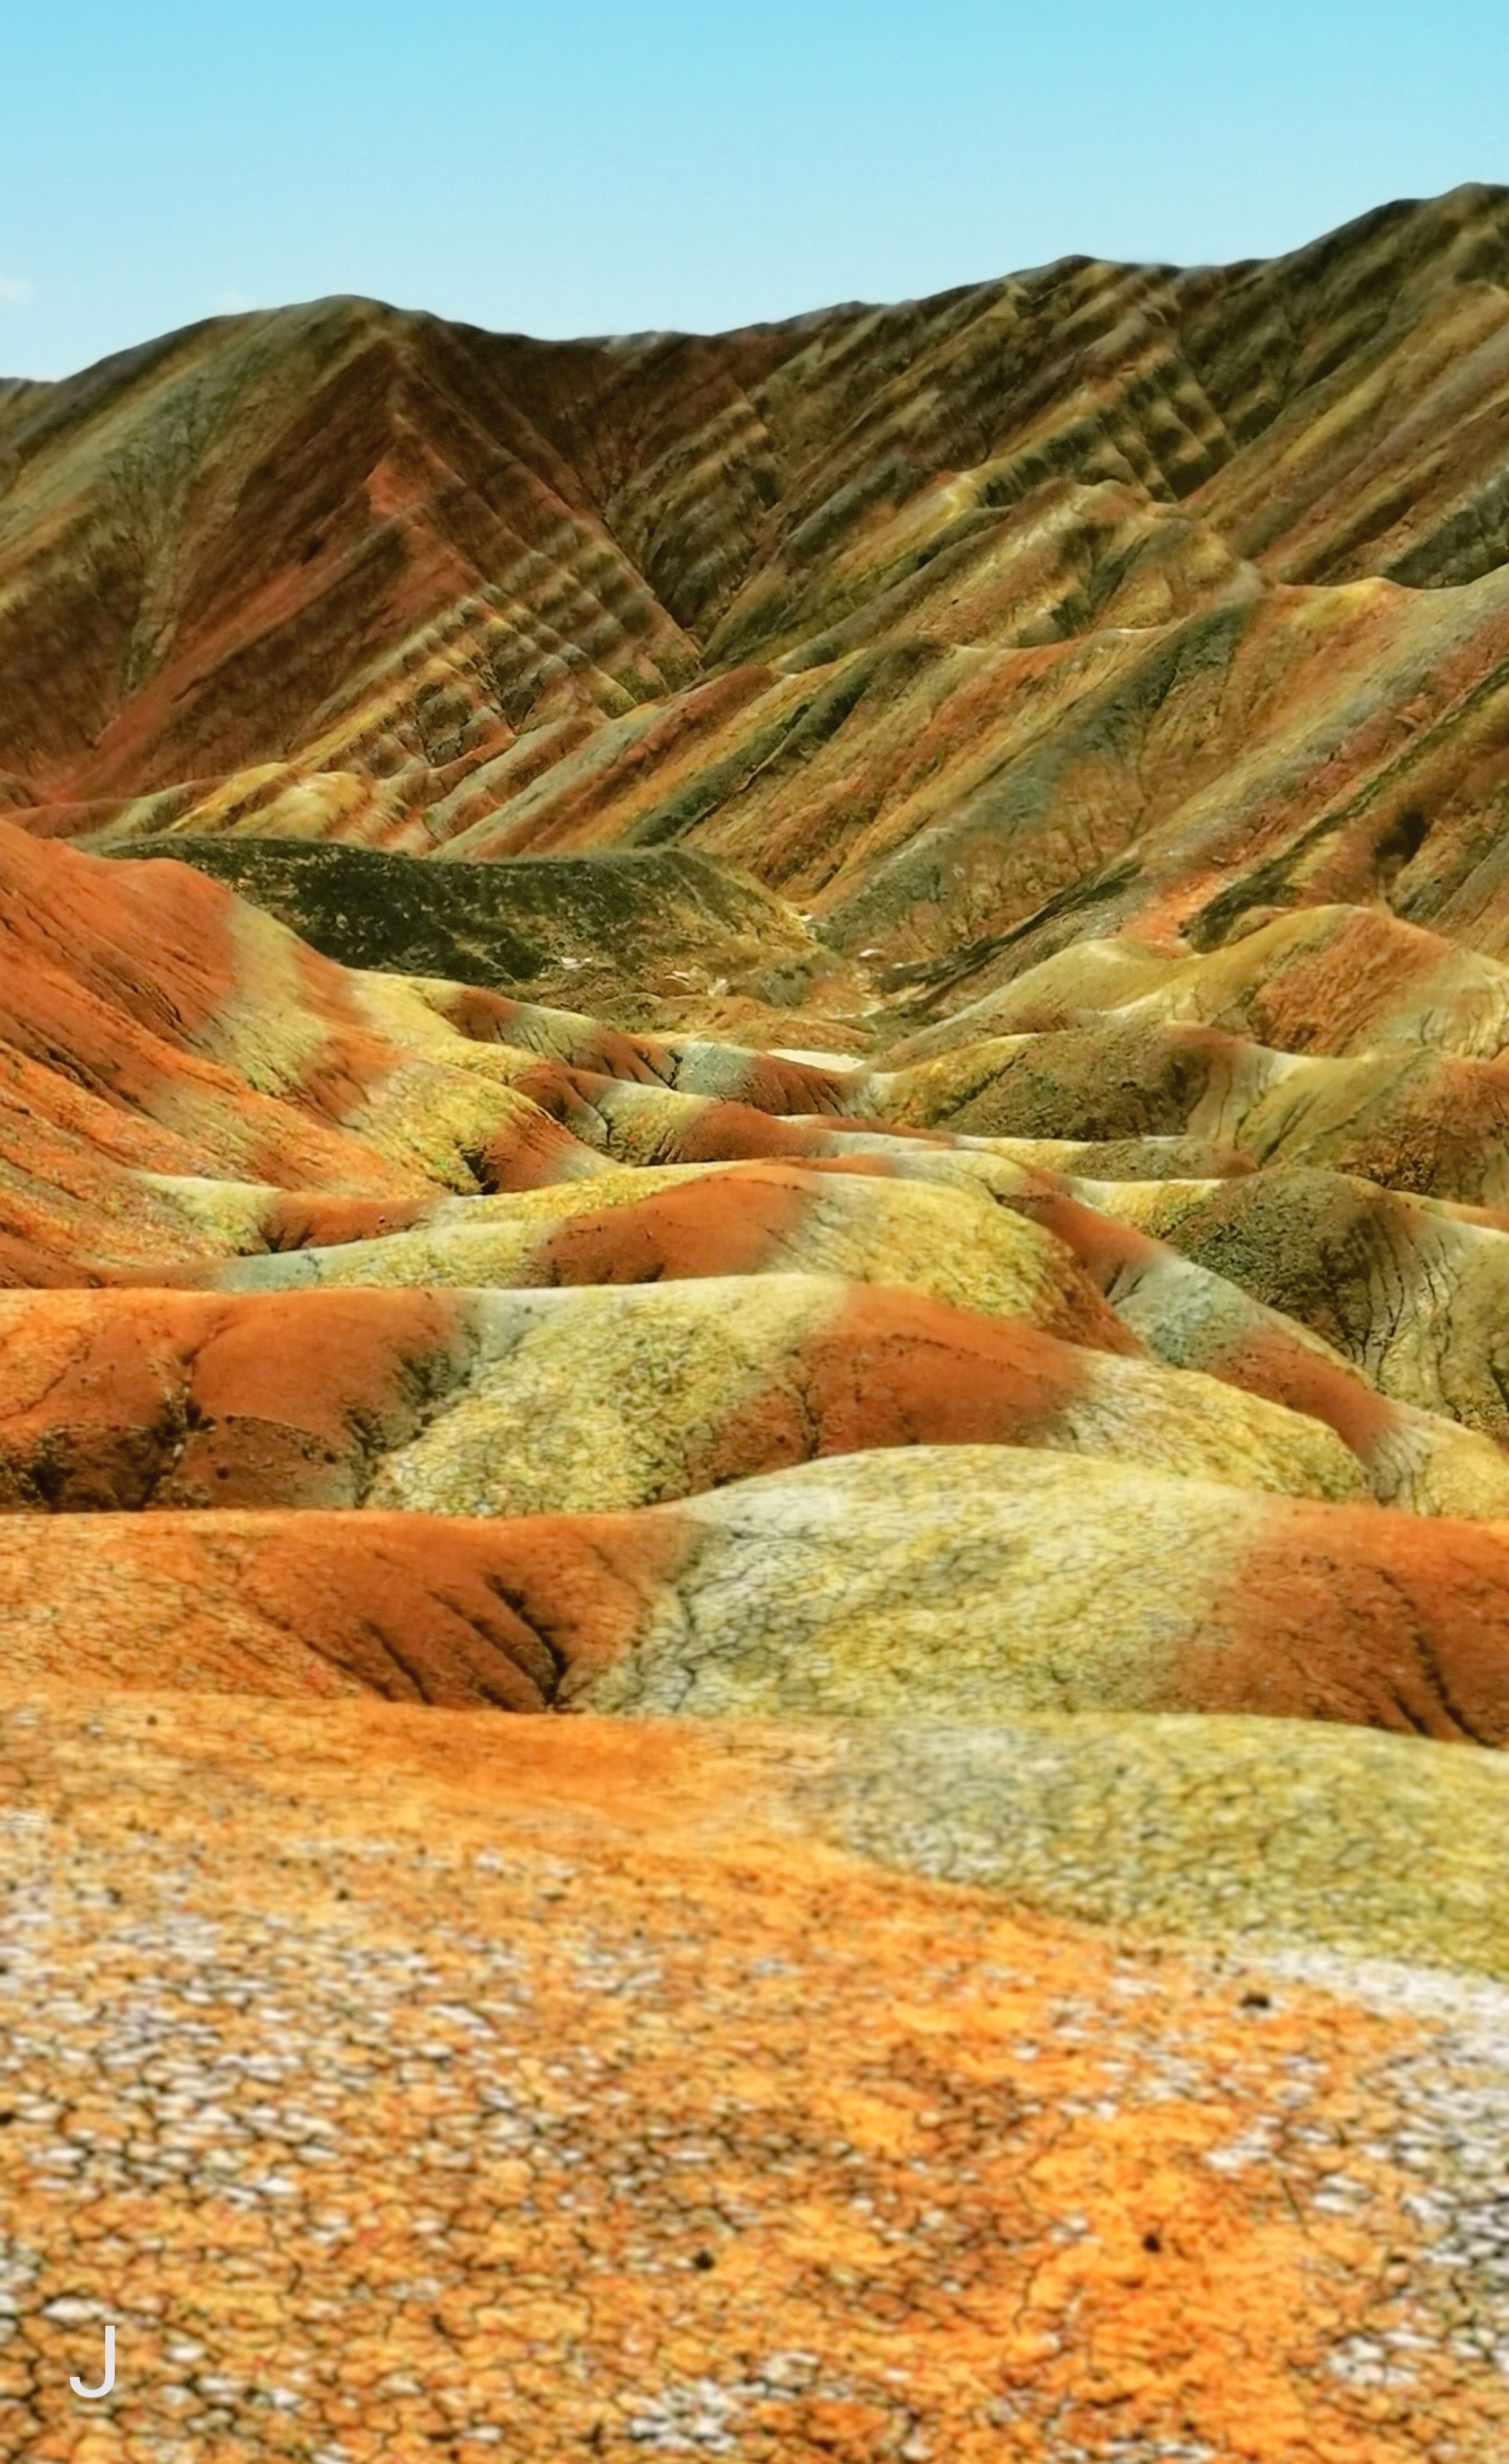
(13, 293)
(233, 303)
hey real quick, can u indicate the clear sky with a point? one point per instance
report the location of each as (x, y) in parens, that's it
(605, 166)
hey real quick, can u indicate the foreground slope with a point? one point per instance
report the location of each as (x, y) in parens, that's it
(543, 2089)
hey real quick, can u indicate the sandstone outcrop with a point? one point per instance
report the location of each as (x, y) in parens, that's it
(400, 1122)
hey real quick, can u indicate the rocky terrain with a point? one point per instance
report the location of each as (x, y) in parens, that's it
(791, 1050)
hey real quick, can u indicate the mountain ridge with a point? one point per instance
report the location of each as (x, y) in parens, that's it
(841, 598)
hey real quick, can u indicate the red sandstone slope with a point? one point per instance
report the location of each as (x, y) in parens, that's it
(155, 1033)
(520, 1402)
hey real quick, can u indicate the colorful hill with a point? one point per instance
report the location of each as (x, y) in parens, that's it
(1100, 593)
(754, 1350)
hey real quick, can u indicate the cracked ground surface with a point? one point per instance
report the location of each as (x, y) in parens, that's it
(402, 2086)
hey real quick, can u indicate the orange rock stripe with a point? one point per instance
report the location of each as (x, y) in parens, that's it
(1358, 1614)
(897, 1368)
(724, 1224)
(417, 1608)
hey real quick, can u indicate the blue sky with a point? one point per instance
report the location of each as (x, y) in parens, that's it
(595, 167)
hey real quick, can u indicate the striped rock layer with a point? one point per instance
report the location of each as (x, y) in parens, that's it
(834, 1036)
(955, 1584)
(1123, 595)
